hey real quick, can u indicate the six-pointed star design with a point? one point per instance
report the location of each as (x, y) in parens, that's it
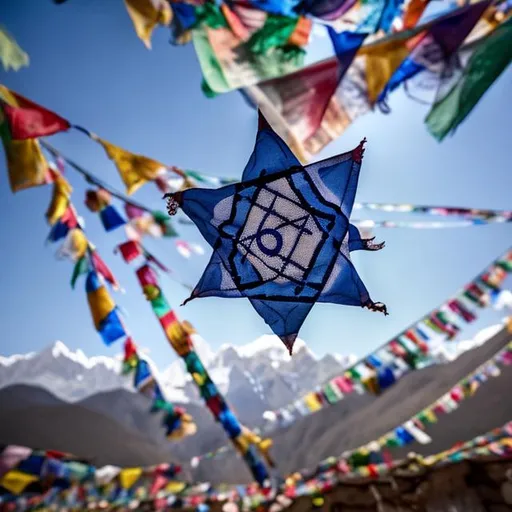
(281, 237)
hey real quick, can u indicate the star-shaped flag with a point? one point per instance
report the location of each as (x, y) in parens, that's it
(282, 237)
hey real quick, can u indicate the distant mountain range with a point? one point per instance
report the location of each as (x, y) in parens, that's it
(254, 377)
(112, 425)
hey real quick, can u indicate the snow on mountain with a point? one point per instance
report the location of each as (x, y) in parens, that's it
(478, 339)
(257, 377)
(70, 375)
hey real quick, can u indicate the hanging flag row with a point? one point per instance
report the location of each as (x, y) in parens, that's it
(414, 429)
(180, 336)
(240, 43)
(50, 473)
(26, 120)
(105, 314)
(315, 105)
(36, 480)
(412, 349)
(66, 226)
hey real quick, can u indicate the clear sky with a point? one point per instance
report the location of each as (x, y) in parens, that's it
(88, 65)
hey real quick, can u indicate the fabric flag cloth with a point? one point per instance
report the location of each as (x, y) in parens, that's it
(433, 49)
(282, 236)
(128, 477)
(103, 309)
(241, 46)
(17, 481)
(12, 55)
(304, 95)
(293, 110)
(11, 456)
(59, 203)
(68, 221)
(146, 15)
(28, 120)
(135, 170)
(482, 65)
(26, 164)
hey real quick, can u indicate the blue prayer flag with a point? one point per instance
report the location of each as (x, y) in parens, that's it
(282, 236)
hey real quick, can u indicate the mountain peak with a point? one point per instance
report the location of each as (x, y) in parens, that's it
(60, 349)
(268, 343)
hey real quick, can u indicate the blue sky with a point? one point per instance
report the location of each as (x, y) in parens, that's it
(88, 65)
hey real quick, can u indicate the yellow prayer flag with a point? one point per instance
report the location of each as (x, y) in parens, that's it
(75, 245)
(175, 487)
(100, 304)
(60, 198)
(128, 476)
(312, 402)
(241, 443)
(26, 164)
(198, 378)
(146, 15)
(135, 170)
(16, 481)
(430, 415)
(382, 60)
(187, 428)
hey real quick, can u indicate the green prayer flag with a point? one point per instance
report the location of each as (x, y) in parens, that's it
(160, 306)
(275, 33)
(488, 60)
(330, 394)
(81, 268)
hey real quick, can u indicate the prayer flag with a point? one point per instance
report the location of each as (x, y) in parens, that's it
(484, 63)
(81, 267)
(146, 15)
(59, 203)
(128, 477)
(434, 48)
(103, 310)
(304, 95)
(16, 481)
(130, 250)
(135, 170)
(28, 120)
(11, 54)
(229, 62)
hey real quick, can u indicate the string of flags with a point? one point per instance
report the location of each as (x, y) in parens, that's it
(366, 69)
(49, 479)
(180, 337)
(67, 226)
(239, 43)
(412, 349)
(442, 58)
(414, 429)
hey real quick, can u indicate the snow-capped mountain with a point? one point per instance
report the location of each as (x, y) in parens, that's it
(69, 375)
(254, 377)
(257, 377)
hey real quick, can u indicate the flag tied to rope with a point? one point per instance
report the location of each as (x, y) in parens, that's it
(282, 237)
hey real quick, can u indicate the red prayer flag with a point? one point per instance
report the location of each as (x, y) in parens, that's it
(102, 269)
(29, 120)
(130, 250)
(147, 276)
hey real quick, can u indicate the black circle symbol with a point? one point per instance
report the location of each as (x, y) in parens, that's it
(269, 241)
